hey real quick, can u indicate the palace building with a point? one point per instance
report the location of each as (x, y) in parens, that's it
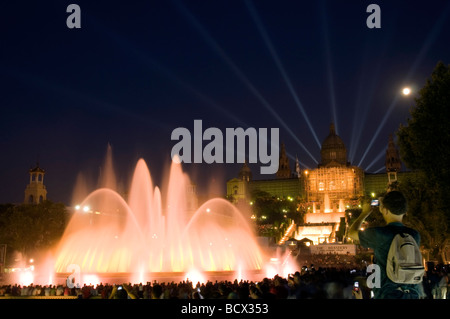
(325, 192)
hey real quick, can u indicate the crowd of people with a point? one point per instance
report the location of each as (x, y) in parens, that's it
(308, 283)
(342, 261)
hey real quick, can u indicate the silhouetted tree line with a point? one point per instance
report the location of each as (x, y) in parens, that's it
(29, 228)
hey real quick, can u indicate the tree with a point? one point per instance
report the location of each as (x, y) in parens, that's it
(269, 209)
(425, 215)
(424, 142)
(28, 228)
(424, 147)
(273, 214)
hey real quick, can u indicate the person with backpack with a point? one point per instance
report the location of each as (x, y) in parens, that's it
(396, 249)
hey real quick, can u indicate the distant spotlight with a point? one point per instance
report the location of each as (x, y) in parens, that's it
(77, 207)
(406, 91)
(86, 209)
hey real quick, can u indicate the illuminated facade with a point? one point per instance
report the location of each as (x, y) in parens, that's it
(331, 188)
(335, 184)
(325, 192)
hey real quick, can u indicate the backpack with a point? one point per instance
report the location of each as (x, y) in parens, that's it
(404, 261)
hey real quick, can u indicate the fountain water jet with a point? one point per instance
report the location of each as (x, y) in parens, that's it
(326, 202)
(140, 236)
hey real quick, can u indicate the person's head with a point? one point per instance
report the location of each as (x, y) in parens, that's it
(393, 203)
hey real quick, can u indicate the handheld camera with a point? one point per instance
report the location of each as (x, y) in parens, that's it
(375, 202)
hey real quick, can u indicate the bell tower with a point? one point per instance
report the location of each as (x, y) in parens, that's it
(284, 170)
(36, 192)
(393, 163)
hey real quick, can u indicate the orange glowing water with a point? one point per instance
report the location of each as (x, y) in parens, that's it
(142, 235)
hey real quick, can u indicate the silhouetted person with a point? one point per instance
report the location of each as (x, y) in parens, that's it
(393, 207)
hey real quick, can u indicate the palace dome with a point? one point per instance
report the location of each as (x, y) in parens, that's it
(333, 152)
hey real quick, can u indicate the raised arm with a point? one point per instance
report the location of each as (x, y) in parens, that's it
(354, 228)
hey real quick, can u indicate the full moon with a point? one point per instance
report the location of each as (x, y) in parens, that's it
(406, 91)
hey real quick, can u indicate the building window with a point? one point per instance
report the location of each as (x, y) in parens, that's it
(332, 186)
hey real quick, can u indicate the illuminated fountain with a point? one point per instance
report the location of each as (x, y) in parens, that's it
(341, 206)
(144, 236)
(322, 224)
(326, 203)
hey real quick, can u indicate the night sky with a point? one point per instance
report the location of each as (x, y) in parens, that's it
(136, 70)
